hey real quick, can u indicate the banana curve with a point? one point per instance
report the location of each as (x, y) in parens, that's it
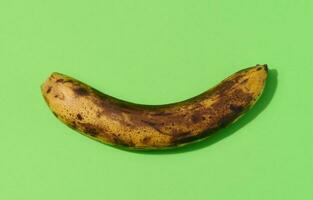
(124, 124)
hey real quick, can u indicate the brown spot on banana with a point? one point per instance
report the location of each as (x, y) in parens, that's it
(124, 124)
(49, 90)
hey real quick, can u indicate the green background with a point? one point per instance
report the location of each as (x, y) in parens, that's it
(156, 52)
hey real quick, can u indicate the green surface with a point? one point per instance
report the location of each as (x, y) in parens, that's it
(156, 52)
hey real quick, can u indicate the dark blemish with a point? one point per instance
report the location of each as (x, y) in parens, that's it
(229, 107)
(119, 141)
(64, 81)
(129, 144)
(59, 97)
(73, 125)
(68, 81)
(60, 80)
(89, 129)
(162, 113)
(55, 114)
(149, 123)
(266, 68)
(195, 118)
(184, 134)
(191, 138)
(153, 125)
(116, 140)
(49, 90)
(236, 109)
(224, 87)
(125, 111)
(81, 91)
(227, 119)
(79, 117)
(196, 106)
(182, 137)
(241, 96)
(244, 81)
(146, 140)
(259, 68)
(224, 121)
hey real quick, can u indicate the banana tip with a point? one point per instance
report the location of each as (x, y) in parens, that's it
(265, 67)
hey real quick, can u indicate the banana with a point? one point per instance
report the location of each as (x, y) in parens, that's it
(123, 124)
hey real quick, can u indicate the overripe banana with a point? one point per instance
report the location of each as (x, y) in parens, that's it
(123, 124)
